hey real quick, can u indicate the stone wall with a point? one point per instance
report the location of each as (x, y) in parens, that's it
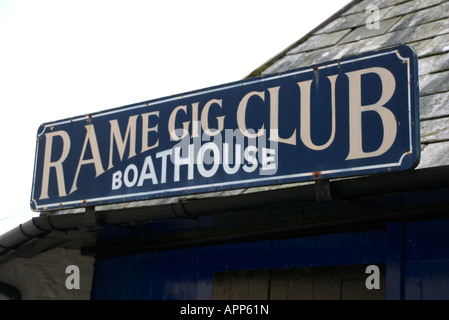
(44, 276)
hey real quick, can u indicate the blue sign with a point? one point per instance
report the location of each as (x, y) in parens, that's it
(354, 116)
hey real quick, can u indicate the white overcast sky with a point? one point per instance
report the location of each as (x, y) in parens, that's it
(64, 58)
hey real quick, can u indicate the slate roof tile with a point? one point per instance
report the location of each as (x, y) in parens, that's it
(350, 21)
(361, 6)
(320, 41)
(429, 30)
(434, 105)
(435, 63)
(435, 130)
(411, 6)
(363, 32)
(435, 13)
(436, 154)
(436, 45)
(434, 83)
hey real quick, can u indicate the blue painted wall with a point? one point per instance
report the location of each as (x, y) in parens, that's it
(426, 260)
(189, 273)
(416, 255)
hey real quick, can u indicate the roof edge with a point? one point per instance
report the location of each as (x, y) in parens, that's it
(257, 72)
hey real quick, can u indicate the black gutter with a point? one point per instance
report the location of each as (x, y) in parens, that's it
(39, 227)
(315, 192)
(191, 208)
